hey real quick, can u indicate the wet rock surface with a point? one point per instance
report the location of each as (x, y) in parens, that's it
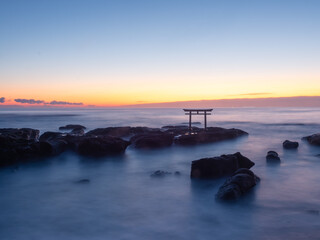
(101, 146)
(290, 145)
(313, 139)
(151, 141)
(237, 185)
(213, 134)
(219, 166)
(17, 144)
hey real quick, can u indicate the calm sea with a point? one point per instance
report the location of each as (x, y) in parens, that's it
(42, 200)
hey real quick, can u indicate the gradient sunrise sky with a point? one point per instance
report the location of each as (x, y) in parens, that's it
(109, 53)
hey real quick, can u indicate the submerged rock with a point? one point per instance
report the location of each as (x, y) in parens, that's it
(159, 173)
(290, 145)
(213, 134)
(72, 127)
(313, 139)
(219, 166)
(273, 157)
(85, 180)
(237, 185)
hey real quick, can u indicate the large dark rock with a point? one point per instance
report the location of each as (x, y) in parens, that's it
(213, 134)
(152, 140)
(72, 127)
(273, 157)
(290, 145)
(17, 145)
(101, 146)
(313, 139)
(237, 185)
(121, 131)
(219, 166)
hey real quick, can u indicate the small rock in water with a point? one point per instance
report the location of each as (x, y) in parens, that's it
(159, 173)
(273, 157)
(237, 185)
(313, 211)
(85, 180)
(177, 173)
(290, 145)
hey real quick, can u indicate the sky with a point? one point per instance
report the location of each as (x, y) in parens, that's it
(123, 52)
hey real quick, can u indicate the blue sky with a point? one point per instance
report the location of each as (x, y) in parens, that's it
(101, 47)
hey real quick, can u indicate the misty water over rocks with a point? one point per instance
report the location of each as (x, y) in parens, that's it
(74, 197)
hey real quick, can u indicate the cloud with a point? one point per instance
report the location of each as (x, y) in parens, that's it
(2, 100)
(29, 101)
(54, 102)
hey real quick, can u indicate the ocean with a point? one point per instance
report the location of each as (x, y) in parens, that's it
(42, 200)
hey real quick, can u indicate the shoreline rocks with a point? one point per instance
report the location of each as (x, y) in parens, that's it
(18, 145)
(219, 166)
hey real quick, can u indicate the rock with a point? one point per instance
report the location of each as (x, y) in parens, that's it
(152, 140)
(18, 145)
(20, 133)
(72, 127)
(237, 185)
(290, 145)
(121, 131)
(85, 180)
(77, 132)
(272, 157)
(313, 139)
(101, 146)
(177, 173)
(159, 173)
(213, 134)
(219, 166)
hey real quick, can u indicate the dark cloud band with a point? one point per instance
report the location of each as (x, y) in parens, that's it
(29, 101)
(2, 100)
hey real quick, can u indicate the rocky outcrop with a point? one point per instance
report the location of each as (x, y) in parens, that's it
(273, 157)
(101, 146)
(121, 131)
(18, 144)
(290, 145)
(219, 166)
(313, 139)
(152, 140)
(237, 185)
(213, 134)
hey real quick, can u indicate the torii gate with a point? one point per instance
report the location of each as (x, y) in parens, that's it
(204, 112)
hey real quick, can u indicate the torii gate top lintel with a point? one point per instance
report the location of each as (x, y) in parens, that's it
(199, 111)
